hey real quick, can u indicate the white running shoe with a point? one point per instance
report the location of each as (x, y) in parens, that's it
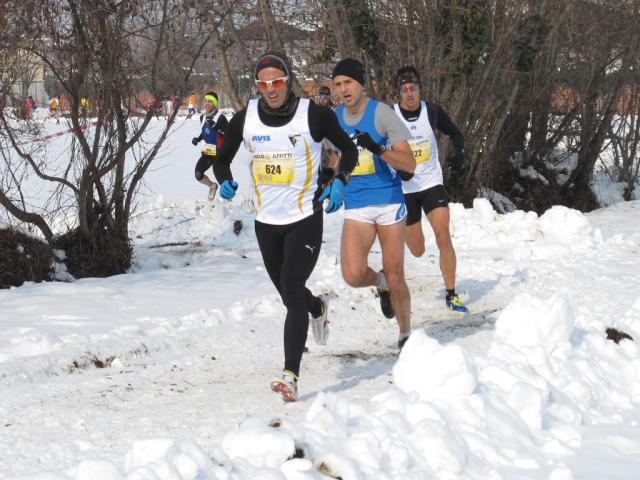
(320, 325)
(287, 386)
(213, 189)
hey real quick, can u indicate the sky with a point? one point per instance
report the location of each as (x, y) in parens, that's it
(164, 372)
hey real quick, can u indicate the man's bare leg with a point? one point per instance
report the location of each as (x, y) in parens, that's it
(357, 239)
(213, 187)
(392, 240)
(415, 239)
(439, 220)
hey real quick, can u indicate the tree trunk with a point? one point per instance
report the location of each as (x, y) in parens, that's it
(339, 24)
(227, 76)
(270, 26)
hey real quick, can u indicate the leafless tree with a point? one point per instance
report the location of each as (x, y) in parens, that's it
(521, 78)
(624, 137)
(106, 51)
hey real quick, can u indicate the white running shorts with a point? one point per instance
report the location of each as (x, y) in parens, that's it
(386, 214)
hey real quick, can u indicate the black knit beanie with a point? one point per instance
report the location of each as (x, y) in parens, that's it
(349, 67)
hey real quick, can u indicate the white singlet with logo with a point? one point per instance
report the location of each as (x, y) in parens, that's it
(425, 150)
(284, 165)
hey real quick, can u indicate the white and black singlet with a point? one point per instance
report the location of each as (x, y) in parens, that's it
(285, 165)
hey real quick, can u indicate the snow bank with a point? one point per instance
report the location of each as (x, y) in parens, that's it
(450, 415)
(558, 231)
(518, 411)
(169, 459)
(454, 415)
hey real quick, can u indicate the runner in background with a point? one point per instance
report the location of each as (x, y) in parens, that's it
(213, 125)
(425, 190)
(324, 97)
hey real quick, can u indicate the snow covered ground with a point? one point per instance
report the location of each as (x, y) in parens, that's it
(164, 373)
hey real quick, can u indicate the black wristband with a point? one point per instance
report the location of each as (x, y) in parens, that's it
(343, 176)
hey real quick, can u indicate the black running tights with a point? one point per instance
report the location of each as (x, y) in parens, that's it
(290, 253)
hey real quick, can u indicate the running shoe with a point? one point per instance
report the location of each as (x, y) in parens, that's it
(402, 342)
(320, 324)
(287, 386)
(454, 303)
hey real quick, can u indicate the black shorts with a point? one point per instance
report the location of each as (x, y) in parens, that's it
(426, 200)
(204, 164)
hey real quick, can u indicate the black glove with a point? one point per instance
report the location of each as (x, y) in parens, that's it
(364, 140)
(326, 175)
(456, 162)
(405, 176)
(195, 140)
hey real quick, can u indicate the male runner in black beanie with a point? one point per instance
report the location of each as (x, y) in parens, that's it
(374, 204)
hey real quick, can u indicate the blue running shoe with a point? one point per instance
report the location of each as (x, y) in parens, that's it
(454, 303)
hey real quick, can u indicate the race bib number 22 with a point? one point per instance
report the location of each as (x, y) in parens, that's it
(421, 151)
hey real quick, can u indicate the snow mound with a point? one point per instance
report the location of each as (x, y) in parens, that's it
(434, 370)
(261, 444)
(529, 323)
(169, 459)
(564, 225)
(558, 231)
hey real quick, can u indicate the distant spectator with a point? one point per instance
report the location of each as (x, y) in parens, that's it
(192, 102)
(154, 106)
(85, 105)
(29, 104)
(54, 104)
(169, 106)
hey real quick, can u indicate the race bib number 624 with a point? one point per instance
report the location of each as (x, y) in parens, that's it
(273, 168)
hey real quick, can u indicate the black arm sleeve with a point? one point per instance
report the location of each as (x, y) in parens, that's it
(221, 125)
(232, 141)
(323, 123)
(444, 123)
